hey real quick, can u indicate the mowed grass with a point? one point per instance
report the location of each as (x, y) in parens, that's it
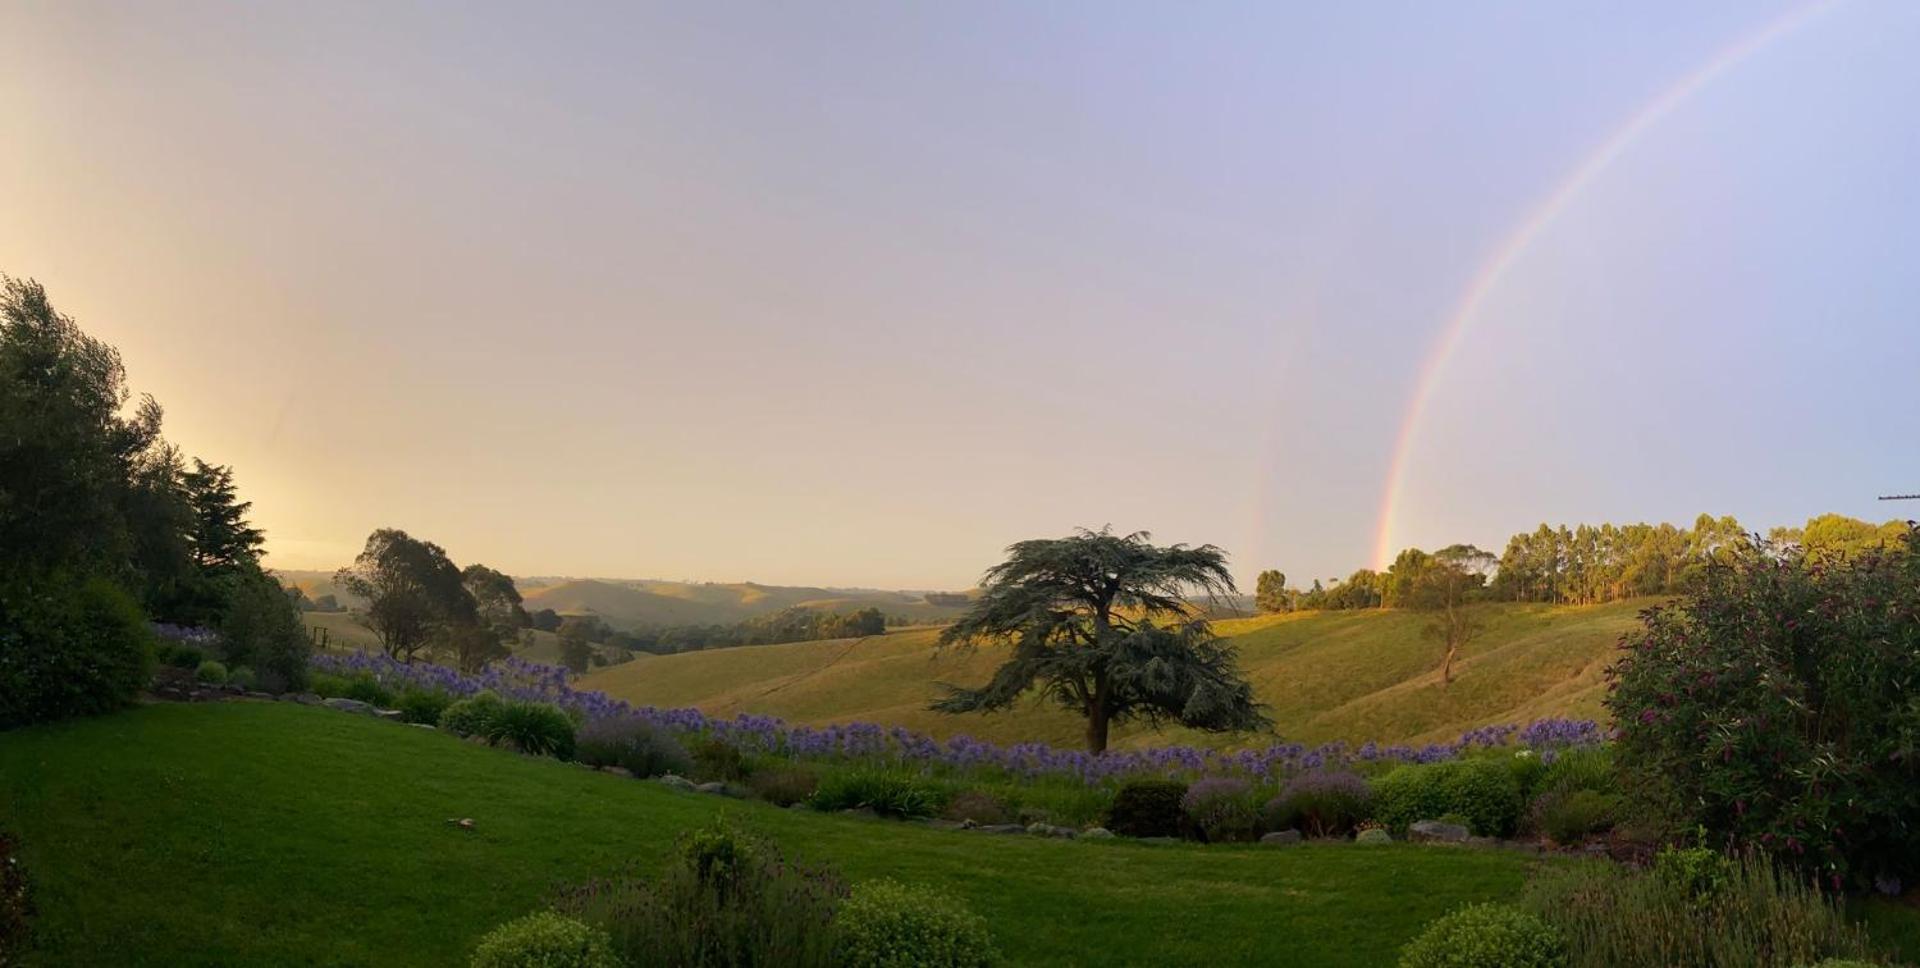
(263, 833)
(1354, 676)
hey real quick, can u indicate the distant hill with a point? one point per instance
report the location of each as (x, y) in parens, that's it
(627, 603)
(1351, 676)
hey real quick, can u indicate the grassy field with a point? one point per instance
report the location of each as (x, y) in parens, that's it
(345, 632)
(261, 833)
(1328, 675)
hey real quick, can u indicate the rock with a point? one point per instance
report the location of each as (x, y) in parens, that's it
(618, 771)
(1374, 836)
(1050, 830)
(722, 789)
(391, 715)
(303, 698)
(421, 725)
(1485, 842)
(1096, 833)
(464, 823)
(796, 806)
(676, 782)
(939, 824)
(1159, 840)
(1437, 832)
(968, 824)
(259, 695)
(1002, 828)
(1281, 838)
(348, 705)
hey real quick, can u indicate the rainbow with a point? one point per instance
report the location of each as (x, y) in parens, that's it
(1516, 242)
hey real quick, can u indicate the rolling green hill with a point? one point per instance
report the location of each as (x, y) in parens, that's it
(1351, 676)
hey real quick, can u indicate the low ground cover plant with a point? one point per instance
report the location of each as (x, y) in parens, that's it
(886, 924)
(545, 940)
(890, 793)
(1486, 936)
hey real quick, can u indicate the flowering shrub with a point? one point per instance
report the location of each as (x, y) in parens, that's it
(1148, 808)
(1774, 708)
(1486, 936)
(727, 899)
(1323, 803)
(632, 744)
(545, 940)
(1221, 808)
(886, 924)
(759, 737)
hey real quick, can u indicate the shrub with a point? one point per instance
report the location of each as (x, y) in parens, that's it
(211, 672)
(1221, 808)
(244, 677)
(327, 685)
(632, 744)
(1773, 707)
(978, 806)
(1484, 793)
(1569, 817)
(1581, 768)
(261, 628)
(784, 786)
(1486, 936)
(181, 656)
(727, 899)
(717, 759)
(1321, 803)
(69, 647)
(472, 716)
(1697, 872)
(535, 728)
(367, 689)
(891, 925)
(1759, 915)
(885, 792)
(1529, 771)
(545, 940)
(16, 900)
(1148, 808)
(418, 705)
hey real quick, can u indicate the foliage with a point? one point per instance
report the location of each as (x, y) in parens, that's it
(890, 793)
(544, 940)
(1774, 708)
(424, 706)
(414, 592)
(1222, 809)
(244, 677)
(632, 744)
(211, 671)
(69, 647)
(1321, 803)
(1758, 915)
(369, 690)
(472, 716)
(1581, 768)
(535, 728)
(1081, 614)
(886, 924)
(784, 786)
(1270, 592)
(16, 901)
(1484, 792)
(728, 899)
(1701, 873)
(1486, 936)
(261, 628)
(979, 806)
(717, 759)
(1148, 808)
(179, 656)
(1570, 816)
(498, 618)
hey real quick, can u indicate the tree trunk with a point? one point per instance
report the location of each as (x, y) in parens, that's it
(1446, 664)
(1097, 727)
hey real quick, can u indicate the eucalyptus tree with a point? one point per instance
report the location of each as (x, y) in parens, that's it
(1102, 624)
(414, 592)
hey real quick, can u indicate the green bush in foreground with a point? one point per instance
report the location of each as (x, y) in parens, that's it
(472, 716)
(726, 899)
(211, 672)
(69, 647)
(544, 940)
(426, 706)
(1484, 793)
(1688, 912)
(891, 925)
(1486, 936)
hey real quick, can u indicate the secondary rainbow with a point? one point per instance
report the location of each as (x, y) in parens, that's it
(1516, 242)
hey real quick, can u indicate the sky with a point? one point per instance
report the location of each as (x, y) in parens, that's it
(857, 294)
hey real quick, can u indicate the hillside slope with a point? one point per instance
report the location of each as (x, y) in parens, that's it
(1351, 676)
(636, 603)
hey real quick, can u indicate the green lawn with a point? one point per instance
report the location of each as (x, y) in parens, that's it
(262, 833)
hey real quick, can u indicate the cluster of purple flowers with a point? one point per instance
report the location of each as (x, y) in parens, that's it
(186, 634)
(871, 742)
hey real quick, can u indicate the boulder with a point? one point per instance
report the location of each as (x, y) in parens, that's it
(1437, 832)
(1050, 830)
(676, 782)
(259, 695)
(346, 705)
(1281, 838)
(1096, 833)
(721, 789)
(422, 725)
(1002, 828)
(391, 715)
(1374, 836)
(303, 698)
